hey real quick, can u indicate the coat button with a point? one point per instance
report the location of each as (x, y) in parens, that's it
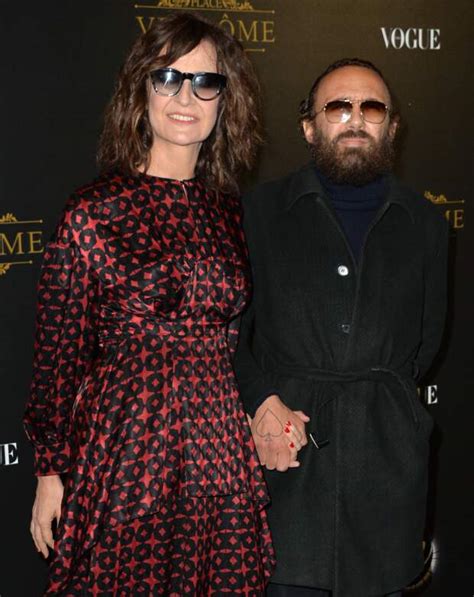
(346, 328)
(343, 270)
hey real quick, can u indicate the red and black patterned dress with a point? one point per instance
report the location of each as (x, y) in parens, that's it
(134, 398)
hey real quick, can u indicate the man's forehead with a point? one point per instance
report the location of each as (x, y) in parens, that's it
(355, 82)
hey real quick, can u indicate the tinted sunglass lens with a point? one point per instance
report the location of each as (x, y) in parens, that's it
(166, 82)
(208, 86)
(373, 111)
(338, 111)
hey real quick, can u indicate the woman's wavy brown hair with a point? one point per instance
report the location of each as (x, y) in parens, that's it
(127, 137)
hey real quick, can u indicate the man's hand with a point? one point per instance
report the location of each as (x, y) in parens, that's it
(278, 433)
(47, 507)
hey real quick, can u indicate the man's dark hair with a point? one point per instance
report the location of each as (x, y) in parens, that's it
(306, 109)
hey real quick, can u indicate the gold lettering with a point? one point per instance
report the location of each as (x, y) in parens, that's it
(35, 239)
(248, 35)
(458, 218)
(455, 217)
(141, 21)
(246, 31)
(5, 245)
(268, 32)
(227, 23)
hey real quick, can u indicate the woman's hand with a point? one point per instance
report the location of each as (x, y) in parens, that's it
(47, 507)
(279, 433)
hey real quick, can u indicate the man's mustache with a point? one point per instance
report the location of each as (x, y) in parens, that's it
(353, 135)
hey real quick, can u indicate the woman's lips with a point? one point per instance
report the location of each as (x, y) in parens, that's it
(182, 118)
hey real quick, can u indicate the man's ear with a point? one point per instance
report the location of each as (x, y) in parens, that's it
(308, 130)
(393, 127)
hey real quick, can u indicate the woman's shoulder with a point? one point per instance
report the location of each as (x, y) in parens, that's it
(229, 203)
(91, 204)
(106, 187)
(232, 199)
(100, 198)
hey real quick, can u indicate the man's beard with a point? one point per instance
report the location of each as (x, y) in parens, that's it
(355, 166)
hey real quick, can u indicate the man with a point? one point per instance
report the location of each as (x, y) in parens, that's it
(348, 312)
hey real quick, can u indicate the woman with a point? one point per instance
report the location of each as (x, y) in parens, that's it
(134, 402)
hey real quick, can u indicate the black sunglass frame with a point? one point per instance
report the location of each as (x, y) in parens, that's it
(221, 82)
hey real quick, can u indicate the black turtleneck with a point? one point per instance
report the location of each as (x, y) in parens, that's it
(356, 207)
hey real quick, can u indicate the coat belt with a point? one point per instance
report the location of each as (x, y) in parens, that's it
(376, 373)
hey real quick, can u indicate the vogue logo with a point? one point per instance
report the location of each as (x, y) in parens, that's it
(411, 38)
(8, 454)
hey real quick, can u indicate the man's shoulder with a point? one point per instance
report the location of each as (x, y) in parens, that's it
(273, 194)
(267, 191)
(422, 211)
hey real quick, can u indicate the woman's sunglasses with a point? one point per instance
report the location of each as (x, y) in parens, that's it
(205, 86)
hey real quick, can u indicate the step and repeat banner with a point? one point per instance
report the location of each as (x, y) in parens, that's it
(59, 60)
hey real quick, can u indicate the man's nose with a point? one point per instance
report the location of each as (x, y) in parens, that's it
(356, 121)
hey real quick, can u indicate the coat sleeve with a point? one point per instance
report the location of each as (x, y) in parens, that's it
(63, 349)
(435, 298)
(255, 384)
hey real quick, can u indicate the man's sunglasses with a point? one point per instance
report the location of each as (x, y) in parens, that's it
(339, 111)
(205, 86)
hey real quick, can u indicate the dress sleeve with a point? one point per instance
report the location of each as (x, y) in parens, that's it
(63, 349)
(235, 213)
(233, 335)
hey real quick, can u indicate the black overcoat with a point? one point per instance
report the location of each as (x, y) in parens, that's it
(345, 342)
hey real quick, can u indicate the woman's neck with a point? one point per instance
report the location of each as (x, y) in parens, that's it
(173, 161)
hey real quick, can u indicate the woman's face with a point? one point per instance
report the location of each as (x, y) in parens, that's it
(183, 120)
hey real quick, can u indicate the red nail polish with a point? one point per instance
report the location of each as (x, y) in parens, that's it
(288, 423)
(287, 430)
(292, 445)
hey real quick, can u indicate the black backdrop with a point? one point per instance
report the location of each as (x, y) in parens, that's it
(59, 60)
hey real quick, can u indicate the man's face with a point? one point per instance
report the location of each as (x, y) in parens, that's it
(354, 152)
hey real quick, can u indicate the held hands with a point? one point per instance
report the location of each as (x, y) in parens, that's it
(46, 508)
(278, 433)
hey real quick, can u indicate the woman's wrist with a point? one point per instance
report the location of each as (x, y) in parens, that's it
(49, 480)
